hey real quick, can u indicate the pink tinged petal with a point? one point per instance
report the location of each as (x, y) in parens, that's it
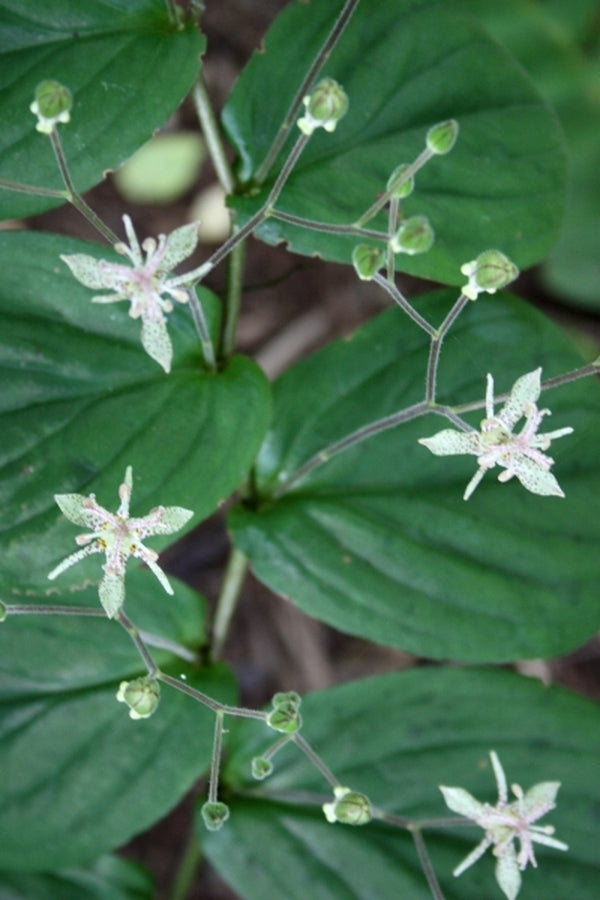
(156, 341)
(500, 777)
(507, 874)
(525, 391)
(450, 442)
(534, 477)
(75, 508)
(181, 243)
(462, 802)
(161, 520)
(87, 270)
(74, 558)
(539, 800)
(542, 838)
(125, 493)
(112, 594)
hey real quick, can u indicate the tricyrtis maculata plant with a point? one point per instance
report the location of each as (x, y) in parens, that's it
(388, 533)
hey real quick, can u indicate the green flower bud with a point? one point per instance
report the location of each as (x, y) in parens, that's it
(415, 235)
(490, 272)
(367, 261)
(286, 697)
(261, 768)
(349, 807)
(325, 106)
(214, 815)
(400, 187)
(2, 611)
(285, 718)
(141, 696)
(442, 137)
(52, 104)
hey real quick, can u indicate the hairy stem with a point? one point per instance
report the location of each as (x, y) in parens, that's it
(435, 349)
(315, 759)
(212, 136)
(137, 639)
(233, 580)
(390, 288)
(434, 887)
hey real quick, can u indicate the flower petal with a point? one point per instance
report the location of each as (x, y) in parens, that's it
(156, 341)
(112, 594)
(507, 873)
(72, 506)
(86, 269)
(462, 802)
(525, 390)
(534, 477)
(181, 243)
(450, 442)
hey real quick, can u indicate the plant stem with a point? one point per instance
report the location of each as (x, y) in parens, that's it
(215, 763)
(435, 349)
(434, 887)
(315, 759)
(314, 69)
(356, 437)
(239, 712)
(186, 870)
(73, 196)
(208, 351)
(19, 609)
(403, 303)
(384, 198)
(137, 639)
(233, 579)
(233, 300)
(32, 189)
(212, 136)
(328, 227)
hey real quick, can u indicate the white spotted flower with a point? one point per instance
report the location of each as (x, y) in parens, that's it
(520, 453)
(145, 282)
(119, 537)
(505, 823)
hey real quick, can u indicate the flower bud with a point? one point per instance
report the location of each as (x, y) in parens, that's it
(415, 235)
(442, 137)
(325, 106)
(141, 696)
(52, 104)
(261, 768)
(349, 807)
(2, 611)
(284, 716)
(400, 187)
(491, 271)
(214, 815)
(367, 261)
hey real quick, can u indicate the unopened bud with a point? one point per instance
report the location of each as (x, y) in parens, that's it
(490, 272)
(367, 261)
(349, 807)
(441, 138)
(141, 696)
(214, 815)
(52, 104)
(261, 768)
(284, 716)
(325, 106)
(398, 185)
(2, 611)
(415, 235)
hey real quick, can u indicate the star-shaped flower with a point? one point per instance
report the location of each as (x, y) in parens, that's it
(520, 454)
(143, 282)
(506, 823)
(119, 537)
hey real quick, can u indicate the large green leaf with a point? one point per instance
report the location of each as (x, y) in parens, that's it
(405, 66)
(80, 776)
(108, 878)
(127, 67)
(378, 541)
(80, 401)
(396, 738)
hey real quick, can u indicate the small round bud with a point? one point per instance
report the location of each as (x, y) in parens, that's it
(2, 611)
(325, 106)
(286, 697)
(441, 138)
(349, 807)
(52, 104)
(367, 261)
(141, 696)
(490, 272)
(284, 716)
(261, 768)
(214, 815)
(415, 235)
(400, 187)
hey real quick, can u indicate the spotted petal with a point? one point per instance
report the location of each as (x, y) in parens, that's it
(533, 476)
(156, 341)
(525, 391)
(87, 270)
(181, 243)
(450, 442)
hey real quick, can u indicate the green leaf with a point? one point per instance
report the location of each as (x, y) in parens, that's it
(80, 401)
(108, 878)
(80, 776)
(396, 738)
(378, 541)
(127, 67)
(405, 66)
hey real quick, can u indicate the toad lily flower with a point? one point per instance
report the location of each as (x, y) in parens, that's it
(506, 822)
(497, 444)
(144, 282)
(119, 537)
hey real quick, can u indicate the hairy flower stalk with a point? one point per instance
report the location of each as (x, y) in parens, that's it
(497, 444)
(144, 282)
(506, 823)
(119, 537)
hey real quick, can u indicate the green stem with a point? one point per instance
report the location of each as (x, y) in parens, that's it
(350, 440)
(407, 173)
(73, 196)
(315, 759)
(215, 763)
(404, 304)
(435, 349)
(231, 587)
(32, 189)
(327, 227)
(137, 639)
(239, 712)
(314, 69)
(392, 225)
(19, 609)
(434, 886)
(212, 136)
(233, 300)
(208, 351)
(187, 868)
